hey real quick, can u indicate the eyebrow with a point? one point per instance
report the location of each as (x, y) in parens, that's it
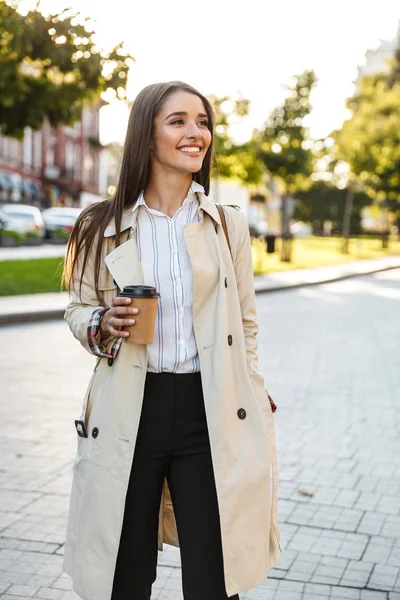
(182, 113)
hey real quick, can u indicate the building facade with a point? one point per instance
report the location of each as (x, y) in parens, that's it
(53, 167)
(378, 60)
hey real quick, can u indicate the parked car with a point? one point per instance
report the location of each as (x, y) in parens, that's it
(22, 222)
(59, 222)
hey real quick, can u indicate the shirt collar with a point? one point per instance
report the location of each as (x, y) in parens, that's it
(195, 187)
(205, 204)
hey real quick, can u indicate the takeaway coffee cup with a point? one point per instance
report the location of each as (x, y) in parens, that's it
(145, 298)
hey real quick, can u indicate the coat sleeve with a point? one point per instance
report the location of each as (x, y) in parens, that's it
(239, 235)
(243, 265)
(83, 303)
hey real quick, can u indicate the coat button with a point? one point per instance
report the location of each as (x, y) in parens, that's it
(241, 413)
(230, 340)
(226, 282)
(95, 432)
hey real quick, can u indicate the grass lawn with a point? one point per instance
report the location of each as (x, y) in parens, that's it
(30, 276)
(319, 251)
(44, 275)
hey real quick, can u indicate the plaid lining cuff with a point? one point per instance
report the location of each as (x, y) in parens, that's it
(93, 331)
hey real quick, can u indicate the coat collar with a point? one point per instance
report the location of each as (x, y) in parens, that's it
(129, 218)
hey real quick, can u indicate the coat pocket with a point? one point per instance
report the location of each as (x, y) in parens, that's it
(257, 381)
(82, 423)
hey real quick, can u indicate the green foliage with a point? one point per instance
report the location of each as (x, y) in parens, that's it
(50, 67)
(238, 161)
(324, 202)
(370, 140)
(8, 234)
(283, 143)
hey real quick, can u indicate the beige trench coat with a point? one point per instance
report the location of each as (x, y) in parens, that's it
(243, 450)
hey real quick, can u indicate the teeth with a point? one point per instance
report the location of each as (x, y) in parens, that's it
(189, 149)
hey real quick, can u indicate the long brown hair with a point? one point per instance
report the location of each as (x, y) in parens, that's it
(133, 179)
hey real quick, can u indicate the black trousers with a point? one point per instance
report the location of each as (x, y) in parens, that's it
(172, 442)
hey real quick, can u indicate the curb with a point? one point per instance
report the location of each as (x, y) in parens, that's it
(15, 318)
(31, 317)
(291, 286)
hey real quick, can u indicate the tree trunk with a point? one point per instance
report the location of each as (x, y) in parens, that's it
(385, 230)
(286, 250)
(348, 207)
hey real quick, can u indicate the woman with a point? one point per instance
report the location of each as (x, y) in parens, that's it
(175, 439)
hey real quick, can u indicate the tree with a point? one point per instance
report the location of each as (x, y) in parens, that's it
(50, 67)
(284, 147)
(325, 202)
(234, 161)
(369, 140)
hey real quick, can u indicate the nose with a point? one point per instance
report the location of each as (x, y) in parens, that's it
(193, 131)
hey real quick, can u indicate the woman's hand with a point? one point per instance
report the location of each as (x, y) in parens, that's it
(117, 317)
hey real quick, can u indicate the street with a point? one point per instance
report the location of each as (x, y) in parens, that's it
(330, 356)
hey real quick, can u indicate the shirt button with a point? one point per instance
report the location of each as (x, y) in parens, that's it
(181, 342)
(95, 432)
(241, 413)
(230, 340)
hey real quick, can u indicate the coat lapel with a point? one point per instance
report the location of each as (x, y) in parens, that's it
(124, 264)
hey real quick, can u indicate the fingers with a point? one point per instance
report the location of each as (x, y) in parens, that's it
(115, 317)
(123, 310)
(117, 332)
(118, 301)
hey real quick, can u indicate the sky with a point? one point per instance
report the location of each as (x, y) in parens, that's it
(251, 47)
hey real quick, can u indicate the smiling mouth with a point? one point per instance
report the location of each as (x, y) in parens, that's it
(191, 150)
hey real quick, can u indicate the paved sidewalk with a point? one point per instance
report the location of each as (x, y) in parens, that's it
(32, 252)
(330, 357)
(42, 307)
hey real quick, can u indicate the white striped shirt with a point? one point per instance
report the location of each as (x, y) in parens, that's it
(167, 267)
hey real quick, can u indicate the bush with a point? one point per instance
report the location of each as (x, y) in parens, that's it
(10, 238)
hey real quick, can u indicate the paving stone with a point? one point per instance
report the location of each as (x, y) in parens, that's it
(294, 575)
(290, 586)
(49, 593)
(383, 577)
(391, 527)
(367, 501)
(259, 594)
(173, 584)
(371, 523)
(304, 566)
(9, 597)
(378, 550)
(334, 573)
(373, 595)
(316, 589)
(69, 596)
(347, 498)
(388, 505)
(345, 593)
(22, 590)
(356, 574)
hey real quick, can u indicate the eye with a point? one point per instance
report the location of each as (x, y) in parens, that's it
(203, 123)
(177, 122)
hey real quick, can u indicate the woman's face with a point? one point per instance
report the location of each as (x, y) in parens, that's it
(181, 134)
